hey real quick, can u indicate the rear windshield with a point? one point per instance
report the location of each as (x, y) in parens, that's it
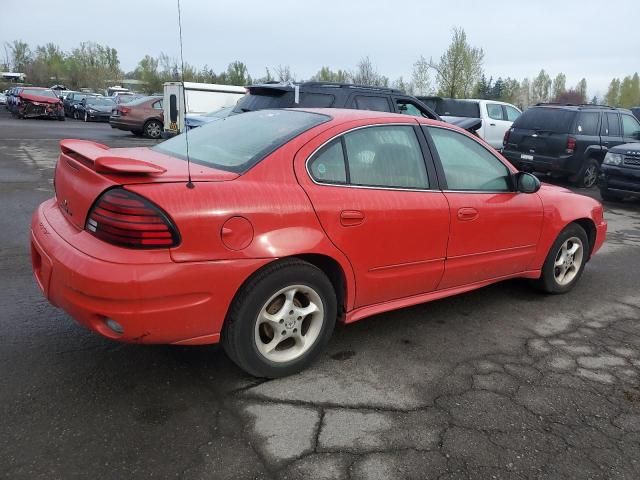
(238, 142)
(263, 99)
(545, 119)
(141, 100)
(456, 108)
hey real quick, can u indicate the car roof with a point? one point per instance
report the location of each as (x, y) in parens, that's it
(348, 114)
(580, 107)
(336, 86)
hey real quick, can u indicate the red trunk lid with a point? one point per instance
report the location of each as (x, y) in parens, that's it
(86, 169)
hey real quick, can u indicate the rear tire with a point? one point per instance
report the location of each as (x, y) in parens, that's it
(588, 175)
(153, 129)
(565, 261)
(281, 319)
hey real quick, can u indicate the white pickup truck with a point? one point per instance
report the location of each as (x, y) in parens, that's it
(496, 117)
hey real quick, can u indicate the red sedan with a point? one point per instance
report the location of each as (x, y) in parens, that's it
(294, 220)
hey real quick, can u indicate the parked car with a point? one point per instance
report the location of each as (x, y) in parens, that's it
(33, 102)
(12, 98)
(95, 109)
(141, 117)
(620, 175)
(497, 117)
(636, 112)
(194, 121)
(568, 140)
(3, 99)
(71, 102)
(290, 221)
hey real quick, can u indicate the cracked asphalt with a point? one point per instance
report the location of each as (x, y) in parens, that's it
(502, 383)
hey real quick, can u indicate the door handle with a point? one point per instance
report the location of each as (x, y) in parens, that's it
(492, 124)
(467, 213)
(349, 218)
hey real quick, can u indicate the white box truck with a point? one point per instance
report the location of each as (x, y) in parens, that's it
(200, 98)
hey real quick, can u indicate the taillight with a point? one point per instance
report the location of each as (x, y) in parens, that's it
(571, 144)
(126, 219)
(124, 110)
(505, 140)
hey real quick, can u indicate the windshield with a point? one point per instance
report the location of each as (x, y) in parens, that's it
(456, 108)
(42, 93)
(556, 120)
(99, 101)
(238, 142)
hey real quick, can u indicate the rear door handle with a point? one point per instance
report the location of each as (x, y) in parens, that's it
(467, 213)
(492, 124)
(349, 218)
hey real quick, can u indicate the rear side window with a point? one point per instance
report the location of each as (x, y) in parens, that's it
(613, 129)
(545, 119)
(386, 156)
(378, 104)
(494, 111)
(266, 98)
(587, 123)
(457, 108)
(328, 164)
(317, 100)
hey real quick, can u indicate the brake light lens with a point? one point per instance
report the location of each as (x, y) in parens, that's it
(126, 219)
(505, 140)
(571, 145)
(124, 110)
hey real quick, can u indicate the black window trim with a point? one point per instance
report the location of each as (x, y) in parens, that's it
(432, 177)
(442, 180)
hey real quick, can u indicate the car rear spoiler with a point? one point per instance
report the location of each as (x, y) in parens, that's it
(98, 157)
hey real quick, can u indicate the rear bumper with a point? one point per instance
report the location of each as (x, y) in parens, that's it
(620, 179)
(562, 165)
(122, 124)
(154, 301)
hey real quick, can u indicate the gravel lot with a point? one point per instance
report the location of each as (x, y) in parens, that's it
(503, 382)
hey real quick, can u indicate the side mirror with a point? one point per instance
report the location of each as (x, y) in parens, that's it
(527, 182)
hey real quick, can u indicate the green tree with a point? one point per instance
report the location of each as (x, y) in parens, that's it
(559, 86)
(612, 96)
(459, 68)
(524, 97)
(510, 89)
(325, 74)
(366, 74)
(629, 91)
(20, 55)
(147, 71)
(582, 90)
(420, 78)
(540, 88)
(237, 74)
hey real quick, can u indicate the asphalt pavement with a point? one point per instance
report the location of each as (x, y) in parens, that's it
(503, 382)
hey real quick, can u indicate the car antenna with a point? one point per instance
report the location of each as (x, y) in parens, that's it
(190, 184)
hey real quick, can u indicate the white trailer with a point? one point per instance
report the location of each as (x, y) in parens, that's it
(200, 98)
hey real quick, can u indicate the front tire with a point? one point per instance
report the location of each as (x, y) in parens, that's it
(565, 261)
(281, 319)
(86, 117)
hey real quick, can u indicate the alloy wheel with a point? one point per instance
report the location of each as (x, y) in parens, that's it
(568, 261)
(590, 176)
(289, 323)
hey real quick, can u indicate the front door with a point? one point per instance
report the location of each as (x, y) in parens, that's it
(495, 125)
(379, 204)
(610, 131)
(494, 229)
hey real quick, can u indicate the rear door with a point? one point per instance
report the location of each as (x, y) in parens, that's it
(610, 130)
(379, 204)
(494, 229)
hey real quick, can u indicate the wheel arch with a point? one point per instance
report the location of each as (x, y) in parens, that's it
(589, 226)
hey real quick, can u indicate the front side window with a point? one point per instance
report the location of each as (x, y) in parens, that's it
(630, 126)
(587, 123)
(385, 156)
(512, 113)
(467, 165)
(408, 108)
(494, 111)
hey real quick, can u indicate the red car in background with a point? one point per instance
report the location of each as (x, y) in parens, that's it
(34, 102)
(143, 116)
(293, 220)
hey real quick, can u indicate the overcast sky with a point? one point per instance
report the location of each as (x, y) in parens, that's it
(597, 40)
